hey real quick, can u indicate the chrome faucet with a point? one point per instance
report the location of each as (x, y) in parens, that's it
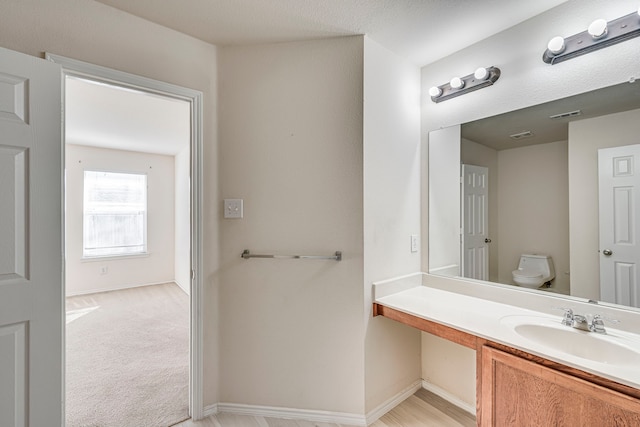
(586, 322)
(581, 322)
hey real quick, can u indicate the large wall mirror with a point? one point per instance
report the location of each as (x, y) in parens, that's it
(560, 181)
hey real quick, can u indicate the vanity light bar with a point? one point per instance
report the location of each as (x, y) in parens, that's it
(482, 77)
(600, 34)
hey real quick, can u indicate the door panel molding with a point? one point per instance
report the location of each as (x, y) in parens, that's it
(14, 185)
(13, 374)
(14, 98)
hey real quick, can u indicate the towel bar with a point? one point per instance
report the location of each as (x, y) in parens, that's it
(246, 254)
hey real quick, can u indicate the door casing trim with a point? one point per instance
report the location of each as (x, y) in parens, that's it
(72, 67)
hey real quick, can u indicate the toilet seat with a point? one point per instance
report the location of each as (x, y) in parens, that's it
(528, 279)
(527, 274)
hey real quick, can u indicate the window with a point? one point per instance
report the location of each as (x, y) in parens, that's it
(115, 214)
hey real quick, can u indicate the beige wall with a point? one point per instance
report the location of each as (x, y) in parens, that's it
(391, 213)
(292, 143)
(291, 139)
(533, 208)
(315, 179)
(84, 276)
(526, 80)
(455, 373)
(585, 138)
(95, 33)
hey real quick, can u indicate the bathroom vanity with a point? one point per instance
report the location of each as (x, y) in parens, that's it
(530, 368)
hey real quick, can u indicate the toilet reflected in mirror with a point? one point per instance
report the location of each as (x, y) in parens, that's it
(534, 271)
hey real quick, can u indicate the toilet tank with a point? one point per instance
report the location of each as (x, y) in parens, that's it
(538, 262)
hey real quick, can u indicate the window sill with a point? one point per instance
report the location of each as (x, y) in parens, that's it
(114, 257)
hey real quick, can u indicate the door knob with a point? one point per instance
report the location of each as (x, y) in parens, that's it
(487, 240)
(607, 252)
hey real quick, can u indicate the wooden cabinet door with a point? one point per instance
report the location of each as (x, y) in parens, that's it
(518, 392)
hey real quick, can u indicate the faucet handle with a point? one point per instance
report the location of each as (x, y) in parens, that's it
(567, 319)
(597, 323)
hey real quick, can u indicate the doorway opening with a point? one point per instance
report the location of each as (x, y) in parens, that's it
(132, 248)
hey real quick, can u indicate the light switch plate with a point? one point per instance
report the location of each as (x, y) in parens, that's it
(233, 208)
(415, 242)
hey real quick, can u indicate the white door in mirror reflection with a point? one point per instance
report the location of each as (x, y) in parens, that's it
(619, 193)
(475, 222)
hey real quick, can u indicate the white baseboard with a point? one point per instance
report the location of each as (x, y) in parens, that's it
(336, 417)
(449, 397)
(315, 415)
(394, 401)
(293, 414)
(113, 288)
(210, 410)
(185, 289)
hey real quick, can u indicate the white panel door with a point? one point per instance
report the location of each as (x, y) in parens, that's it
(619, 193)
(475, 222)
(30, 242)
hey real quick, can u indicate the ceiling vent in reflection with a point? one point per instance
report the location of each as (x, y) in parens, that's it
(521, 135)
(565, 115)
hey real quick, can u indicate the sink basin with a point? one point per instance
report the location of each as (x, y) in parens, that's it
(550, 333)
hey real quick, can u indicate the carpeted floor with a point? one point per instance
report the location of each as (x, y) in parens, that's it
(127, 361)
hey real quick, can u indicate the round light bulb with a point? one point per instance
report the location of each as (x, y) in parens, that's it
(435, 91)
(456, 83)
(556, 45)
(481, 73)
(598, 28)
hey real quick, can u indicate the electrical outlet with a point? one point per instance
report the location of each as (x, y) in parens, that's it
(233, 208)
(415, 242)
(104, 270)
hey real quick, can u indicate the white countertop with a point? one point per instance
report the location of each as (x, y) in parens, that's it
(492, 321)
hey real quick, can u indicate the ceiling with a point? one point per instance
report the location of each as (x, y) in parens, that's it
(102, 115)
(422, 31)
(495, 131)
